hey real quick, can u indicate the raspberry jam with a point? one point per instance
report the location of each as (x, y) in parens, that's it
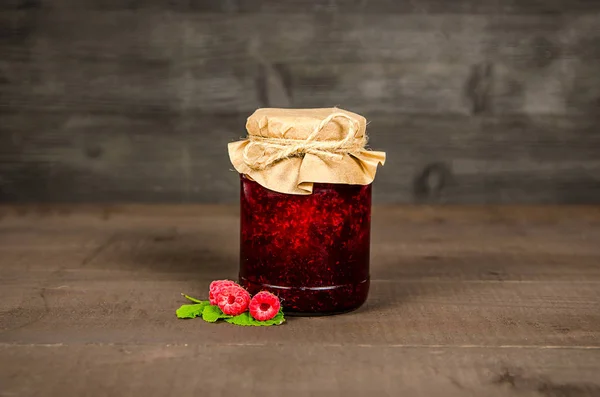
(310, 250)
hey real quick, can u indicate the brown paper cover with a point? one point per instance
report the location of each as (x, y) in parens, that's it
(297, 174)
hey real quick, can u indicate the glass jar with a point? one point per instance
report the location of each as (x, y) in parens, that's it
(310, 250)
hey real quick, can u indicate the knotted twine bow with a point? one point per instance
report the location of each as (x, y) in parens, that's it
(276, 149)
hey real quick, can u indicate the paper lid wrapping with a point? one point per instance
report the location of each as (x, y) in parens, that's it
(279, 128)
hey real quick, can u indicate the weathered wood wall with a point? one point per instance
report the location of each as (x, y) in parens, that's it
(475, 101)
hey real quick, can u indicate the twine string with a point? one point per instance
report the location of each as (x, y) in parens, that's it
(276, 149)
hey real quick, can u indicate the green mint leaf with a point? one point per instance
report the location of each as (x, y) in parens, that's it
(192, 299)
(191, 311)
(245, 319)
(212, 313)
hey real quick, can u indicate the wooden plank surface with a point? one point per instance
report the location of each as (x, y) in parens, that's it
(79, 157)
(320, 6)
(327, 370)
(95, 61)
(465, 301)
(494, 102)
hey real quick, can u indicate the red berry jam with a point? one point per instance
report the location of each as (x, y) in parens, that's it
(310, 250)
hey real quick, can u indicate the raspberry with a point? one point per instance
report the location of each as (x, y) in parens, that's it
(233, 300)
(264, 306)
(215, 287)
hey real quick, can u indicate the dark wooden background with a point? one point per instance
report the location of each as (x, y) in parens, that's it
(475, 101)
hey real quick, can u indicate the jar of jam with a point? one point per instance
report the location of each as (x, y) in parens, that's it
(306, 241)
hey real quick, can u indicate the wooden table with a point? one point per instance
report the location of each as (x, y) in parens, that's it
(487, 301)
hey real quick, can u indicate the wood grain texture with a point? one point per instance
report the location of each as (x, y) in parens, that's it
(57, 157)
(95, 61)
(491, 301)
(110, 157)
(142, 370)
(100, 102)
(314, 37)
(319, 6)
(488, 160)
